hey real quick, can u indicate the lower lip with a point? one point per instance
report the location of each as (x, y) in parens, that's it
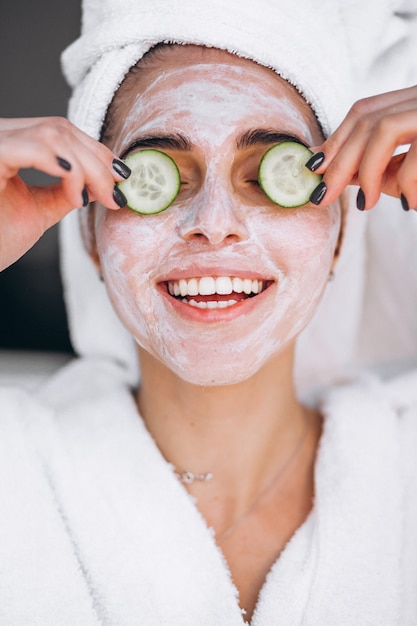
(244, 307)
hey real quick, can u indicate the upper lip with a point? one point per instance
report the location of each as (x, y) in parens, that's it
(198, 271)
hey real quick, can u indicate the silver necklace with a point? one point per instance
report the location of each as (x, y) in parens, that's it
(188, 478)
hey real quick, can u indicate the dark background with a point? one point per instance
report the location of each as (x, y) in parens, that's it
(32, 35)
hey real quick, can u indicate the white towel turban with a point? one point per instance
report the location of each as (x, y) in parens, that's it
(332, 51)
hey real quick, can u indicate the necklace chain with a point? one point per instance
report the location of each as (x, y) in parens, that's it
(188, 478)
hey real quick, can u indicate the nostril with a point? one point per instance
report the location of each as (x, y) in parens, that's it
(194, 236)
(212, 224)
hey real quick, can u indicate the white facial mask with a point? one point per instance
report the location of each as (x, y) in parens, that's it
(203, 105)
(215, 232)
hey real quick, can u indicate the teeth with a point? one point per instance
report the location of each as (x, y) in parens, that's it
(213, 304)
(247, 285)
(237, 285)
(208, 286)
(224, 285)
(193, 287)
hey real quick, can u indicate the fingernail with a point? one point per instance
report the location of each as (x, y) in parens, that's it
(119, 197)
(315, 161)
(84, 195)
(360, 200)
(318, 193)
(121, 168)
(404, 202)
(64, 163)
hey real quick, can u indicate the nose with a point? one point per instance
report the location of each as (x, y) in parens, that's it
(214, 215)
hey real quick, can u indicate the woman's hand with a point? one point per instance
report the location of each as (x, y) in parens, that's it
(360, 151)
(87, 171)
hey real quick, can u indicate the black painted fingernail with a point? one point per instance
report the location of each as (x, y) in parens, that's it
(119, 197)
(318, 193)
(315, 161)
(84, 195)
(404, 202)
(360, 200)
(121, 168)
(64, 163)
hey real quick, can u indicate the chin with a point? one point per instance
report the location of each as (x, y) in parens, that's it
(216, 370)
(215, 379)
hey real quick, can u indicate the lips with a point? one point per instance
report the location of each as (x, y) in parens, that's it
(215, 292)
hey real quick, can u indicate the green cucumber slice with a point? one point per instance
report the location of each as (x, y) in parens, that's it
(283, 176)
(154, 182)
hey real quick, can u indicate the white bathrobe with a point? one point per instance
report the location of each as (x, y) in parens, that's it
(96, 528)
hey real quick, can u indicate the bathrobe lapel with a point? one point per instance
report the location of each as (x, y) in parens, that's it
(344, 565)
(145, 550)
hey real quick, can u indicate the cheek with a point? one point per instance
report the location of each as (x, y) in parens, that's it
(133, 242)
(302, 246)
(303, 240)
(130, 248)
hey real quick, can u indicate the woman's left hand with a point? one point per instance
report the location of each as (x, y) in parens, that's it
(360, 151)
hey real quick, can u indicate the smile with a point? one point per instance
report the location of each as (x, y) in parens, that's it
(210, 292)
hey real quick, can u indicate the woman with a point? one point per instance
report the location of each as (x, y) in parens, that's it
(306, 512)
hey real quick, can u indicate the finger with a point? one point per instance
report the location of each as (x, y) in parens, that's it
(389, 132)
(19, 152)
(44, 148)
(342, 170)
(119, 170)
(371, 108)
(407, 178)
(367, 152)
(51, 130)
(19, 123)
(101, 168)
(98, 178)
(52, 150)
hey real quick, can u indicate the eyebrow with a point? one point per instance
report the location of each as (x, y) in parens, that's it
(178, 141)
(260, 136)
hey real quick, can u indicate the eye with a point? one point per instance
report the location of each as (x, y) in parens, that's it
(184, 183)
(245, 170)
(154, 183)
(283, 177)
(254, 182)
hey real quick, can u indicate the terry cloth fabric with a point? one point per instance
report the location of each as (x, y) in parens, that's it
(98, 530)
(332, 51)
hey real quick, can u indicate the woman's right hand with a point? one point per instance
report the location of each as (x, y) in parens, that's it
(87, 171)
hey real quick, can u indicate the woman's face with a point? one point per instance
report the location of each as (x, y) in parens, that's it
(249, 273)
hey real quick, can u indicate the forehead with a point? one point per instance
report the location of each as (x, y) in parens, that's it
(211, 88)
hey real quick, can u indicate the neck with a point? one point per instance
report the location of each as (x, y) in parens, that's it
(240, 433)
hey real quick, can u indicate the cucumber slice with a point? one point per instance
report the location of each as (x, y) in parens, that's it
(154, 182)
(283, 176)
